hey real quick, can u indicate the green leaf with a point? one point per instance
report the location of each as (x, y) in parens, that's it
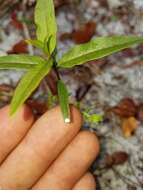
(19, 61)
(35, 43)
(29, 83)
(46, 22)
(92, 118)
(98, 48)
(52, 100)
(46, 47)
(63, 99)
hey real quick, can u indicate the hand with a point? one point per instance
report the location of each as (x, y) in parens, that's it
(46, 155)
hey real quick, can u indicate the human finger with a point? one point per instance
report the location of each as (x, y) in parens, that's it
(87, 182)
(13, 128)
(46, 139)
(71, 165)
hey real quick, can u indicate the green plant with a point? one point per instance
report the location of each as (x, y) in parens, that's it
(38, 67)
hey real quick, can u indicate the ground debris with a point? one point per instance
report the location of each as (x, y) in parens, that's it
(117, 158)
(125, 108)
(129, 125)
(130, 187)
(20, 47)
(82, 35)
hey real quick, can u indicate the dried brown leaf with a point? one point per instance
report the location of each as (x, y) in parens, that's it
(59, 3)
(129, 125)
(20, 47)
(15, 22)
(120, 157)
(131, 187)
(117, 158)
(85, 34)
(82, 35)
(6, 88)
(126, 108)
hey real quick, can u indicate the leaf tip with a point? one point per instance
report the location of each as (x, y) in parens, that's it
(67, 120)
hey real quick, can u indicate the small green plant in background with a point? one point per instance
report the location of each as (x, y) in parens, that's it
(37, 67)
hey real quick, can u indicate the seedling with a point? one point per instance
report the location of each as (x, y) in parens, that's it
(38, 67)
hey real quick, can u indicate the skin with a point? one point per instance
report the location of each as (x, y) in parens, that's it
(87, 182)
(46, 154)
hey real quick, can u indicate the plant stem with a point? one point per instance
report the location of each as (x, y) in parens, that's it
(55, 64)
(53, 77)
(57, 73)
(51, 81)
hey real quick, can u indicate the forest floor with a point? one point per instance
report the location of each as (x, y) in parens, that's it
(112, 86)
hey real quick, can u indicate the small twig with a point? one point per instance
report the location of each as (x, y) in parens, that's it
(27, 36)
(82, 91)
(51, 80)
(57, 72)
(26, 31)
(125, 179)
(55, 64)
(133, 172)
